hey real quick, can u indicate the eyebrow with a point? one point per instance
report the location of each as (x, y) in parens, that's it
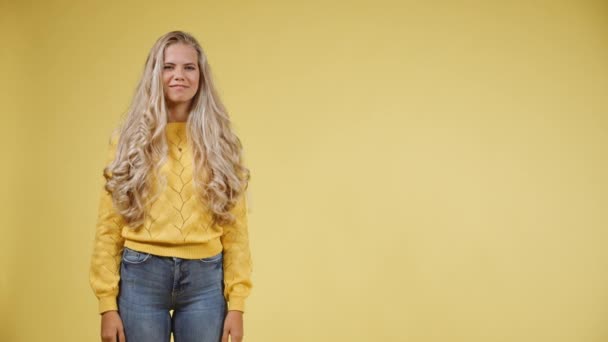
(184, 63)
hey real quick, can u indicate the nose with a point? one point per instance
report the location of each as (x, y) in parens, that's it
(178, 74)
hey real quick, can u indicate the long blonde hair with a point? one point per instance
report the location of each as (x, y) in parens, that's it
(219, 176)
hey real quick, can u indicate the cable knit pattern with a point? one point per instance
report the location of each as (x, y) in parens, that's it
(176, 224)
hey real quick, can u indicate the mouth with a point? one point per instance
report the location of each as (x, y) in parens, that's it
(178, 86)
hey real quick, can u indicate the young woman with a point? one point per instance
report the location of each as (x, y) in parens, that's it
(172, 230)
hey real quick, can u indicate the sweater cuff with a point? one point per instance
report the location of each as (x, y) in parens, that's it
(236, 303)
(107, 304)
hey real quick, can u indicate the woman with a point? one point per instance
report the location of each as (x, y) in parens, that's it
(172, 230)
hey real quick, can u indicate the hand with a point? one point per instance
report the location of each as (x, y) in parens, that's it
(111, 325)
(233, 326)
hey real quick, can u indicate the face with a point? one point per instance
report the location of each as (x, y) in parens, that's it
(180, 73)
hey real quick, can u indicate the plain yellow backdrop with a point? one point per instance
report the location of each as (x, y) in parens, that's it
(426, 171)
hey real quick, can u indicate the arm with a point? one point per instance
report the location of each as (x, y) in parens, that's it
(104, 273)
(237, 258)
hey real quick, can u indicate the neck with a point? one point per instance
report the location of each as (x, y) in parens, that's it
(178, 112)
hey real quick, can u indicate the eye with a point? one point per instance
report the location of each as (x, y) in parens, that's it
(167, 66)
(191, 68)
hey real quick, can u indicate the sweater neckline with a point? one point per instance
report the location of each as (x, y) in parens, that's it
(176, 126)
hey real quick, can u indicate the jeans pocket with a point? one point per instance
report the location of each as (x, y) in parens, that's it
(134, 257)
(214, 258)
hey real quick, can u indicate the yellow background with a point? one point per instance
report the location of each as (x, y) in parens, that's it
(423, 171)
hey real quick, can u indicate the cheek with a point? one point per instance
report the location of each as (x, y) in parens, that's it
(165, 82)
(195, 82)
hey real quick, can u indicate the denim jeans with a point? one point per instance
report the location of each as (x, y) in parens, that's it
(151, 285)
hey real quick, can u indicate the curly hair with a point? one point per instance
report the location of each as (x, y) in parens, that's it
(133, 176)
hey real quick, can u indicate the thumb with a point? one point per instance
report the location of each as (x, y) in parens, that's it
(225, 335)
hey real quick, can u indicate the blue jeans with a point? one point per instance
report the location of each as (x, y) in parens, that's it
(151, 285)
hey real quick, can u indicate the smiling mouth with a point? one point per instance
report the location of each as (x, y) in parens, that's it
(178, 86)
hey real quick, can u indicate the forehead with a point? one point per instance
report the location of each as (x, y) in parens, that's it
(180, 53)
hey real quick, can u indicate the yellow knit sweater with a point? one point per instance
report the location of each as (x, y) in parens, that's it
(176, 224)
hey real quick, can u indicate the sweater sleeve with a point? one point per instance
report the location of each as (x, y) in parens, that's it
(237, 258)
(104, 273)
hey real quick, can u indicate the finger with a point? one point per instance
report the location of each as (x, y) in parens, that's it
(121, 335)
(107, 337)
(225, 336)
